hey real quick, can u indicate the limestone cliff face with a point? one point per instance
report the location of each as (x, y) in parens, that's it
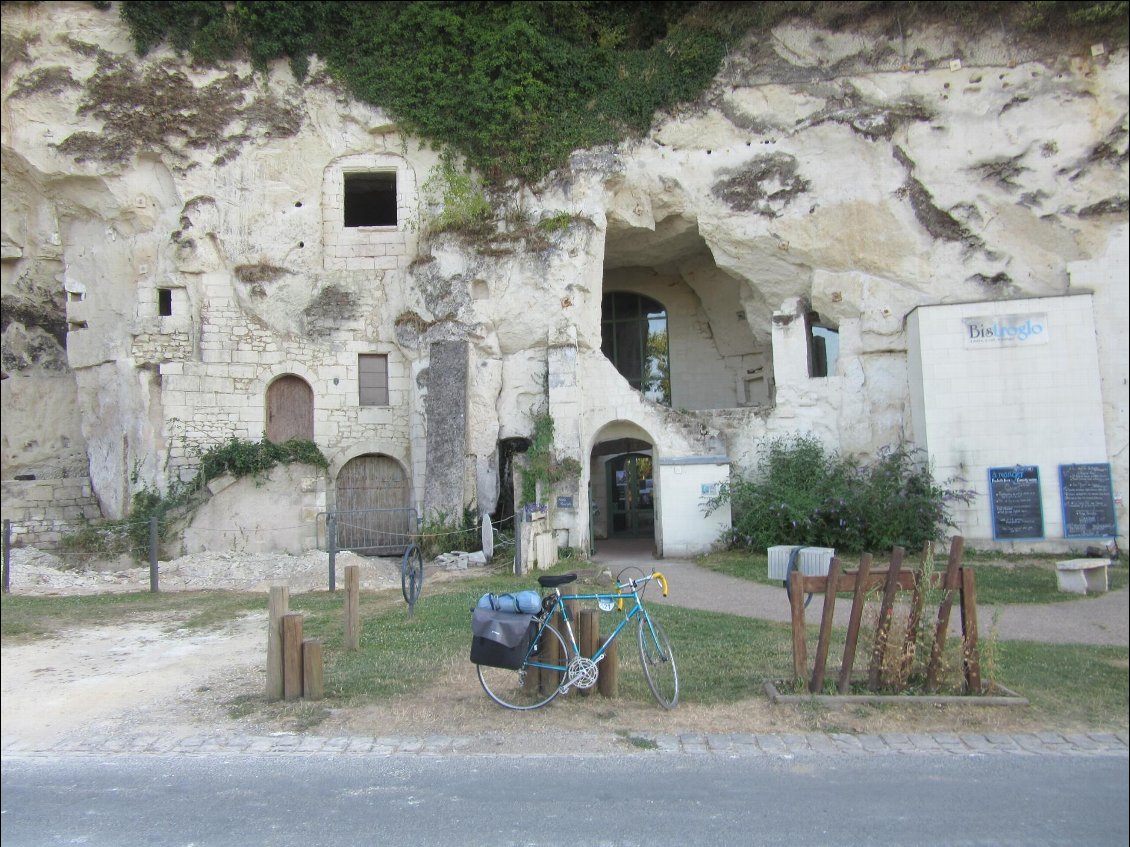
(173, 243)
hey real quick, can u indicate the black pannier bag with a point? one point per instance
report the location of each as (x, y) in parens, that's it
(501, 639)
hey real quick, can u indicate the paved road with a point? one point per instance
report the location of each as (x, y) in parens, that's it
(625, 800)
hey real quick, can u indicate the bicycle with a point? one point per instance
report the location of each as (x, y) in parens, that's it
(553, 665)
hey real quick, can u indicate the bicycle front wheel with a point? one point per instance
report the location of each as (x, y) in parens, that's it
(528, 687)
(658, 662)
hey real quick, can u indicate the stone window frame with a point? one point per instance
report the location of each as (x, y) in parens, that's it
(369, 248)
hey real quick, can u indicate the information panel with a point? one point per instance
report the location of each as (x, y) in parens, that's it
(1087, 493)
(1015, 496)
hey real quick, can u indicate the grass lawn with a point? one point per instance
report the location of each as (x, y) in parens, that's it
(722, 658)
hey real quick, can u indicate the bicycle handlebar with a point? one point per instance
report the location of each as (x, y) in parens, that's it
(643, 580)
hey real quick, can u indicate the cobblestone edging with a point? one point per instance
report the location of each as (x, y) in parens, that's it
(787, 745)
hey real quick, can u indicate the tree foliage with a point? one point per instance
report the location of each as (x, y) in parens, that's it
(516, 87)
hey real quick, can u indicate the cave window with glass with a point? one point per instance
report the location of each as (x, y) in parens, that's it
(634, 338)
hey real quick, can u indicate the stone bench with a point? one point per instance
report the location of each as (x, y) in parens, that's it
(1082, 576)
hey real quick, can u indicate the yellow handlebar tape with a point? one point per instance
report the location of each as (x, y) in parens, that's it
(662, 581)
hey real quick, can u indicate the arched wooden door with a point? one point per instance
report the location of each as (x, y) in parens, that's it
(373, 512)
(290, 409)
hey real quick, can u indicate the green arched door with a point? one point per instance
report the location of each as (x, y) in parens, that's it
(631, 497)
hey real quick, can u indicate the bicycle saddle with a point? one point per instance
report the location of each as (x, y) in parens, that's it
(554, 581)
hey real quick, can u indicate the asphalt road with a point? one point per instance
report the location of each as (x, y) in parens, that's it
(619, 801)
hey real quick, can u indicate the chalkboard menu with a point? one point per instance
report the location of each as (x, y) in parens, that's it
(1015, 496)
(1088, 501)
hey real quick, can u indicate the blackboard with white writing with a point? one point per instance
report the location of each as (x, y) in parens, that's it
(1088, 501)
(1015, 496)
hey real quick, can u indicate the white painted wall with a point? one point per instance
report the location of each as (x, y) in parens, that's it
(684, 485)
(979, 404)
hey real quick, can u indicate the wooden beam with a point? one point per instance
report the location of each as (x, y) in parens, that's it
(822, 644)
(886, 611)
(970, 649)
(858, 602)
(952, 585)
(796, 602)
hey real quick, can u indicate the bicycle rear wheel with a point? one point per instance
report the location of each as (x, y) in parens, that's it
(658, 662)
(528, 687)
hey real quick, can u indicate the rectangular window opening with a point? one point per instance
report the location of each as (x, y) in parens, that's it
(372, 379)
(165, 302)
(824, 351)
(370, 199)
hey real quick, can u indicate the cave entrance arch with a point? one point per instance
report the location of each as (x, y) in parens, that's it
(623, 488)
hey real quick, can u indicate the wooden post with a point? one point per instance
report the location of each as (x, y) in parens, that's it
(608, 680)
(858, 601)
(883, 629)
(951, 585)
(970, 650)
(154, 587)
(292, 656)
(796, 601)
(312, 669)
(278, 607)
(588, 637)
(821, 660)
(352, 637)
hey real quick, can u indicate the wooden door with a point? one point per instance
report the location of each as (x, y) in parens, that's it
(373, 512)
(290, 409)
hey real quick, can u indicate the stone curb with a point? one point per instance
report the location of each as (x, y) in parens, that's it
(739, 744)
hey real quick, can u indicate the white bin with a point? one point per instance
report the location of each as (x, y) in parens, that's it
(812, 561)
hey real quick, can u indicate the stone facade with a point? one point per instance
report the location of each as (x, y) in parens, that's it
(794, 219)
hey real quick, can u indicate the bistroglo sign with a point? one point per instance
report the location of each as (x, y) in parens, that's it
(1006, 330)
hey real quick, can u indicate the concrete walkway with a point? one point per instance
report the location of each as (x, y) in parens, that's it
(1103, 620)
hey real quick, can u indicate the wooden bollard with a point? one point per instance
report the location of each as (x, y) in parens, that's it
(608, 681)
(313, 687)
(278, 606)
(292, 656)
(588, 637)
(352, 637)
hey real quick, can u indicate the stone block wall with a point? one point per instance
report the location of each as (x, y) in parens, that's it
(43, 511)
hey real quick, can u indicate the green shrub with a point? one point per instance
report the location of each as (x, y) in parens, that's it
(802, 493)
(440, 533)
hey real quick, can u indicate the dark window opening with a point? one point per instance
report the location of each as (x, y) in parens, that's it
(823, 348)
(372, 378)
(633, 336)
(164, 302)
(370, 199)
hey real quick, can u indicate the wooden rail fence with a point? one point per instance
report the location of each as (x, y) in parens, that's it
(956, 582)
